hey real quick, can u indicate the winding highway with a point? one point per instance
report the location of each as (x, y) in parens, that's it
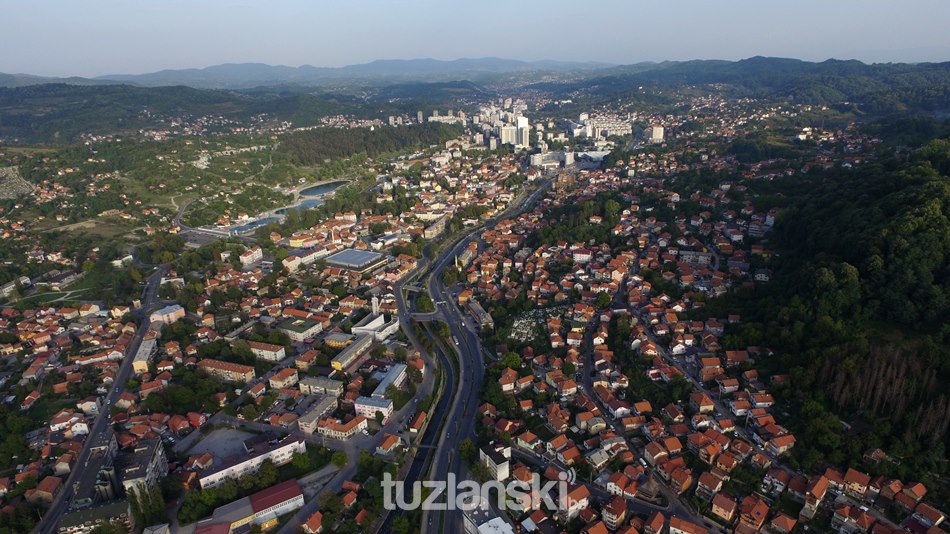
(460, 421)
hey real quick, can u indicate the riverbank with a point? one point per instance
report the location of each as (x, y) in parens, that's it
(305, 197)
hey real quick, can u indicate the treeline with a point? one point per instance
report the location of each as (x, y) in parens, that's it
(571, 223)
(60, 113)
(312, 147)
(858, 310)
(879, 88)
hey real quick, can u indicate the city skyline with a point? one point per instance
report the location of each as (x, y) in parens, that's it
(67, 39)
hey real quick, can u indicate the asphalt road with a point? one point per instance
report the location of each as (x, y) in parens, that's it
(460, 422)
(59, 506)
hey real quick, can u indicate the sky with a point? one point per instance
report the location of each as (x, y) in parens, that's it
(99, 37)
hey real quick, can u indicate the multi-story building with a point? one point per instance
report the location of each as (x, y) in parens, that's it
(144, 354)
(679, 525)
(284, 378)
(480, 518)
(87, 520)
(267, 351)
(279, 453)
(142, 467)
(496, 457)
(168, 314)
(508, 134)
(654, 134)
(309, 421)
(251, 255)
(332, 428)
(615, 512)
(320, 385)
(227, 371)
(300, 329)
(368, 407)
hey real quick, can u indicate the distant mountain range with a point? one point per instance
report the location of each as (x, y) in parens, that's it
(34, 109)
(249, 75)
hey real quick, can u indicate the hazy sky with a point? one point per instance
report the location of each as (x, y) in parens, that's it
(95, 37)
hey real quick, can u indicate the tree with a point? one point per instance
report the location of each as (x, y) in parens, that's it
(468, 450)
(246, 482)
(424, 303)
(603, 299)
(134, 503)
(249, 412)
(511, 359)
(157, 508)
(330, 503)
(300, 461)
(611, 212)
(401, 525)
(135, 275)
(266, 475)
(569, 369)
(339, 458)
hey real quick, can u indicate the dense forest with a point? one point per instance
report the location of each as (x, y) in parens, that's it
(858, 311)
(879, 88)
(311, 147)
(59, 113)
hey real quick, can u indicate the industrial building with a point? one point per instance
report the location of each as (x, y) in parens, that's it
(351, 353)
(262, 509)
(395, 377)
(361, 261)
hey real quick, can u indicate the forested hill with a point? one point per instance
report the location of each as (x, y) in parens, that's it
(858, 311)
(314, 146)
(60, 112)
(878, 88)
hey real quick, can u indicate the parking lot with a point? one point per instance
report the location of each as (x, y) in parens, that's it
(222, 443)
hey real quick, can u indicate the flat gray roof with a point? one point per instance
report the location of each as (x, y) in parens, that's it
(354, 259)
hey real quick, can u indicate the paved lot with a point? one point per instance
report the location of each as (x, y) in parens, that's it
(222, 443)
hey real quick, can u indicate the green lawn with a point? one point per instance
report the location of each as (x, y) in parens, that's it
(43, 298)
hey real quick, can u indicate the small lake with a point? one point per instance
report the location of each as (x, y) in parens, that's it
(303, 204)
(316, 191)
(312, 191)
(322, 189)
(252, 225)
